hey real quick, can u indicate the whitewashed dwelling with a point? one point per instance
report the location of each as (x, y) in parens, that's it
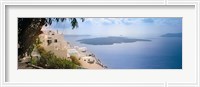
(53, 39)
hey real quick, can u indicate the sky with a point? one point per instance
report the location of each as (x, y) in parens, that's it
(130, 27)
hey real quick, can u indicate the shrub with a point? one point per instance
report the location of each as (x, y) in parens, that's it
(75, 60)
(51, 61)
(33, 61)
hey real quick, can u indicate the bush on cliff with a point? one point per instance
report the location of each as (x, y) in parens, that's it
(75, 60)
(50, 61)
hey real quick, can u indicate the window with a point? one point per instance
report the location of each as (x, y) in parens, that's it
(55, 40)
(49, 42)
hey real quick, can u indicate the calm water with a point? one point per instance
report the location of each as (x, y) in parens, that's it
(160, 53)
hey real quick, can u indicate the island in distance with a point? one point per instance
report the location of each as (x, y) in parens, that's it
(172, 35)
(109, 40)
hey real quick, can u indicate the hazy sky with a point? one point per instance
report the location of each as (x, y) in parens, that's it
(134, 27)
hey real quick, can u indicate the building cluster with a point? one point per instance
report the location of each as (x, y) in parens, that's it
(55, 42)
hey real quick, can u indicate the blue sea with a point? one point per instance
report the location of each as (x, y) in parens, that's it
(159, 53)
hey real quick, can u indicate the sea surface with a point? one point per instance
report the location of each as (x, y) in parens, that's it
(159, 53)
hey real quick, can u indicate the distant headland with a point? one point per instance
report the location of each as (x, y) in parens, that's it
(172, 35)
(109, 40)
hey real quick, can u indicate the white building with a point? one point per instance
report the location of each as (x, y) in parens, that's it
(88, 59)
(73, 52)
(82, 49)
(53, 39)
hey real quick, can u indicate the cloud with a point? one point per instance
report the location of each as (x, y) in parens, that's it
(110, 21)
(121, 21)
(101, 21)
(129, 21)
(173, 21)
(148, 20)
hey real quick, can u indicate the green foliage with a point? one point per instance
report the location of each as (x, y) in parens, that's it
(75, 60)
(50, 61)
(37, 42)
(58, 63)
(32, 46)
(74, 22)
(34, 61)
